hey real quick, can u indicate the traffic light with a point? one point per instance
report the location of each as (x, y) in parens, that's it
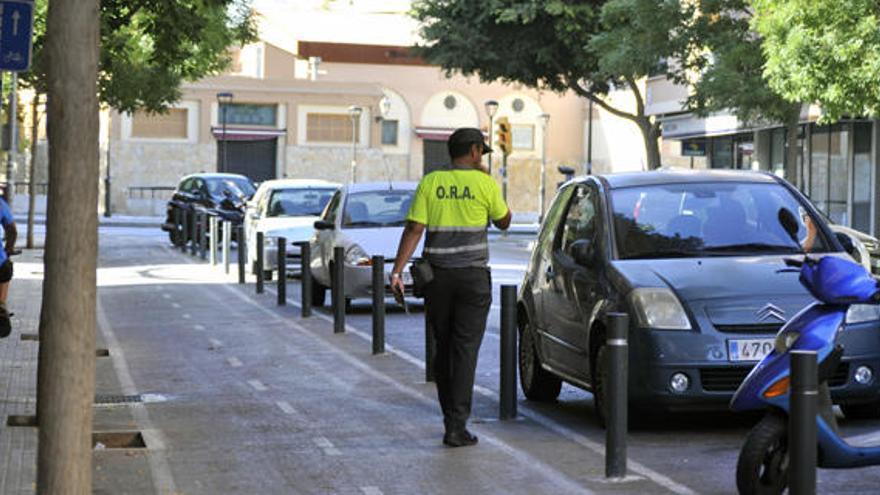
(505, 142)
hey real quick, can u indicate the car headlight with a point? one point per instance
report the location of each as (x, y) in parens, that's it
(860, 313)
(356, 256)
(784, 340)
(659, 308)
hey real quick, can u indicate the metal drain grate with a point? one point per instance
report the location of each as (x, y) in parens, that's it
(105, 400)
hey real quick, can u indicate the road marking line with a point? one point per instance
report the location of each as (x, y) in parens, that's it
(234, 362)
(185, 316)
(258, 385)
(166, 296)
(371, 490)
(286, 407)
(326, 446)
(524, 410)
(175, 305)
(200, 328)
(553, 475)
(215, 343)
(159, 467)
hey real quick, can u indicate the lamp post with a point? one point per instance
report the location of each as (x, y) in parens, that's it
(355, 113)
(544, 119)
(491, 109)
(223, 102)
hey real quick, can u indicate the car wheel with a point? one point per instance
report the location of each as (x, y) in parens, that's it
(762, 467)
(172, 237)
(537, 383)
(319, 293)
(870, 410)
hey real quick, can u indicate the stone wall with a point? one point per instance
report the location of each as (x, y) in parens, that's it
(334, 164)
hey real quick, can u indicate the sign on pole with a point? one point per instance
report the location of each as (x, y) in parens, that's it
(16, 29)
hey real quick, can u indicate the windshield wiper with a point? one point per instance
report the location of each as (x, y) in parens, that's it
(754, 246)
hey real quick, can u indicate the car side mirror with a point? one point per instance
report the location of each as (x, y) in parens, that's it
(583, 251)
(848, 245)
(324, 225)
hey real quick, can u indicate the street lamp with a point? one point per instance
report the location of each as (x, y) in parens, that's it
(355, 113)
(544, 119)
(491, 110)
(385, 106)
(223, 101)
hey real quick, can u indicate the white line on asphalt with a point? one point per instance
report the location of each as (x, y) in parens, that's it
(185, 316)
(175, 305)
(326, 446)
(166, 296)
(200, 328)
(258, 385)
(532, 414)
(159, 468)
(371, 490)
(215, 343)
(550, 473)
(286, 407)
(234, 362)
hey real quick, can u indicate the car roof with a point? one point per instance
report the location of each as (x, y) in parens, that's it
(683, 176)
(215, 175)
(380, 186)
(297, 183)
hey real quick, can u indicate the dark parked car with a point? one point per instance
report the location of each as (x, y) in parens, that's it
(222, 194)
(695, 259)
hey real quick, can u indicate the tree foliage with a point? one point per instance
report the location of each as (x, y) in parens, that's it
(148, 47)
(823, 51)
(589, 47)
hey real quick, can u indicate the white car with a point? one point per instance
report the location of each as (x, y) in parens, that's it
(366, 219)
(284, 208)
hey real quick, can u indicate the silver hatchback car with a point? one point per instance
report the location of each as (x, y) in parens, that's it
(366, 219)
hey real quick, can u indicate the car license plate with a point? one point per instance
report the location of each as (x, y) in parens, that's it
(748, 349)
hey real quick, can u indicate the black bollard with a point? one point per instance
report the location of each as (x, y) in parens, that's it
(802, 422)
(194, 233)
(175, 240)
(203, 235)
(260, 242)
(241, 247)
(184, 230)
(282, 271)
(430, 347)
(378, 304)
(337, 289)
(305, 255)
(507, 402)
(618, 371)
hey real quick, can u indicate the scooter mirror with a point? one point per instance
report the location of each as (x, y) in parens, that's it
(789, 223)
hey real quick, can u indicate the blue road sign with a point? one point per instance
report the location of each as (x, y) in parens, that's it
(16, 29)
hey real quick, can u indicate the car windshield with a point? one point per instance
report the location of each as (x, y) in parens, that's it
(386, 208)
(706, 219)
(237, 186)
(298, 202)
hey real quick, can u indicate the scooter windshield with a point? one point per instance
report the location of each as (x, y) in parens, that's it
(834, 280)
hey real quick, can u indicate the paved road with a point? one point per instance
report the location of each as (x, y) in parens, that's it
(214, 345)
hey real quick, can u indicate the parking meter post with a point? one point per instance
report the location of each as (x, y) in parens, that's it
(430, 348)
(212, 240)
(241, 247)
(507, 402)
(282, 271)
(203, 235)
(802, 422)
(194, 233)
(338, 290)
(260, 242)
(378, 263)
(227, 242)
(618, 371)
(305, 255)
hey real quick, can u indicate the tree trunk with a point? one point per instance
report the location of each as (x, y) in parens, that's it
(651, 136)
(32, 169)
(792, 150)
(67, 320)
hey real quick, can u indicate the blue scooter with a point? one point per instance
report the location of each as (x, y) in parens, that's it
(836, 283)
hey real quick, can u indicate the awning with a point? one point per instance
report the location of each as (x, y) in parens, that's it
(246, 134)
(438, 133)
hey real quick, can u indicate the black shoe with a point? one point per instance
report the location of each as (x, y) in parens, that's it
(5, 323)
(461, 438)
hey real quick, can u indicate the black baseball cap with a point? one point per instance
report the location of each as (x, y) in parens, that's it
(466, 136)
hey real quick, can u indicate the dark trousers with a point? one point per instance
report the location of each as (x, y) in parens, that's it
(457, 303)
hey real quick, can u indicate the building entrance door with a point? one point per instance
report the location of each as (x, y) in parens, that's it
(254, 159)
(436, 156)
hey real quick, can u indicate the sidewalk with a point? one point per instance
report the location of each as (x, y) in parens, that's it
(113, 221)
